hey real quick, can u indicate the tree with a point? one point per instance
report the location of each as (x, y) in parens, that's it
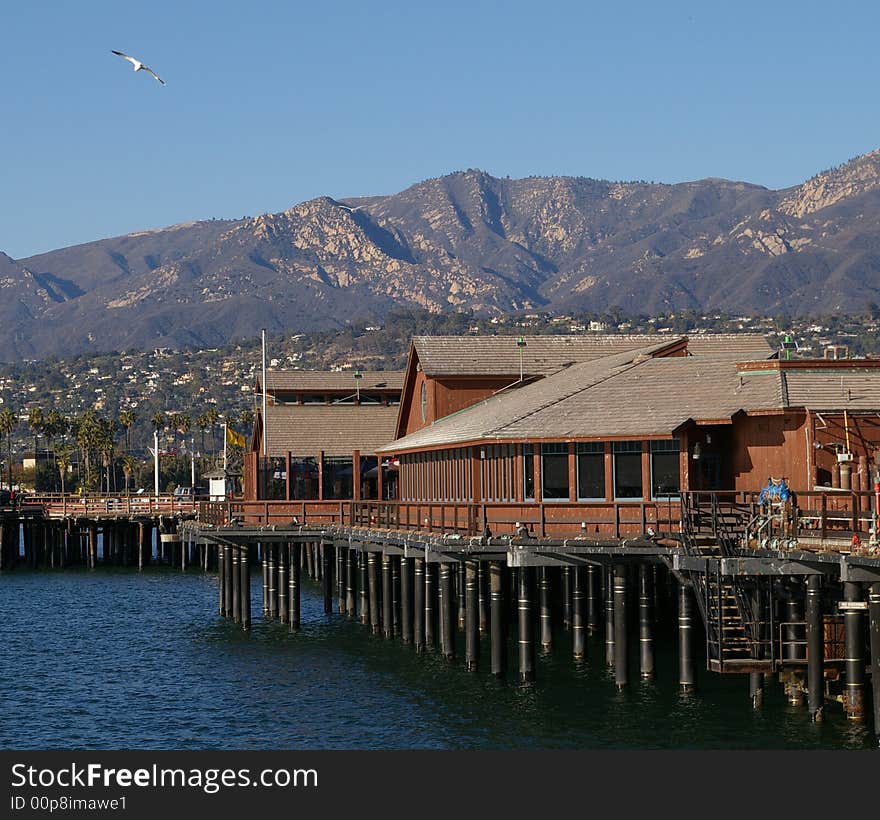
(36, 422)
(127, 419)
(62, 459)
(212, 417)
(129, 465)
(8, 423)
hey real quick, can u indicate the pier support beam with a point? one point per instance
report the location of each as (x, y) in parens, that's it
(460, 583)
(387, 598)
(370, 612)
(294, 592)
(686, 677)
(609, 616)
(544, 610)
(815, 648)
(854, 636)
(406, 600)
(525, 630)
(264, 561)
(349, 583)
(221, 580)
(447, 621)
(578, 627)
(497, 622)
(236, 586)
(567, 592)
(874, 615)
(621, 670)
(327, 577)
(227, 580)
(471, 618)
(284, 570)
(430, 605)
(646, 622)
(366, 591)
(244, 566)
(340, 580)
(592, 596)
(419, 603)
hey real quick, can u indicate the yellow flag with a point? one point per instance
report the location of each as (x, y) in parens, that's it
(235, 439)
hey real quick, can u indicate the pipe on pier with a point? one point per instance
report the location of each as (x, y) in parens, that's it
(525, 631)
(483, 596)
(544, 611)
(567, 592)
(609, 616)
(274, 560)
(371, 613)
(471, 618)
(497, 622)
(419, 603)
(621, 670)
(264, 560)
(221, 580)
(284, 570)
(236, 586)
(245, 568)
(366, 590)
(874, 616)
(578, 631)
(294, 596)
(686, 677)
(854, 637)
(227, 579)
(592, 599)
(340, 579)
(349, 583)
(815, 648)
(430, 605)
(646, 621)
(387, 598)
(460, 583)
(406, 600)
(327, 578)
(447, 620)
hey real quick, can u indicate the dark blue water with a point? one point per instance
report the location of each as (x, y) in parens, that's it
(121, 659)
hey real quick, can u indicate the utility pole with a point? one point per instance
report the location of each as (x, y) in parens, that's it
(265, 424)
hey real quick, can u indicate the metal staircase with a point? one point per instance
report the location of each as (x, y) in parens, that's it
(731, 607)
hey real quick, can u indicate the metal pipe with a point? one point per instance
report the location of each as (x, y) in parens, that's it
(447, 622)
(349, 583)
(221, 582)
(365, 591)
(370, 610)
(686, 677)
(471, 618)
(264, 560)
(295, 586)
(567, 615)
(430, 604)
(854, 636)
(245, 568)
(592, 599)
(460, 583)
(609, 616)
(815, 648)
(874, 615)
(395, 595)
(236, 587)
(284, 556)
(273, 580)
(621, 671)
(525, 631)
(545, 613)
(340, 580)
(578, 631)
(497, 622)
(406, 601)
(646, 622)
(327, 578)
(227, 580)
(419, 603)
(387, 598)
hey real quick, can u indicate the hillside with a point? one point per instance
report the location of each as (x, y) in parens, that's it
(466, 241)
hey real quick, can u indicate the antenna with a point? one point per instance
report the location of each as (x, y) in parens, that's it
(520, 343)
(357, 383)
(265, 425)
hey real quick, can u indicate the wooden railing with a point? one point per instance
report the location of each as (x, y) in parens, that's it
(102, 505)
(599, 520)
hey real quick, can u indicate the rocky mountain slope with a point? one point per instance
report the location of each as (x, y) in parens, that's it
(463, 241)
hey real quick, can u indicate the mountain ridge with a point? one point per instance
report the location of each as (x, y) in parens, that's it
(463, 241)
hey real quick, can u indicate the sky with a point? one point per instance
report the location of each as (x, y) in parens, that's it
(272, 103)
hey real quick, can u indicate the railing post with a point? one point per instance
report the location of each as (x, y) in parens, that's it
(824, 516)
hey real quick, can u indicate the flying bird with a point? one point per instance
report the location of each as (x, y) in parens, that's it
(138, 65)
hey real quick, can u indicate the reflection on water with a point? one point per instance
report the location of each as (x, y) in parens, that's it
(117, 659)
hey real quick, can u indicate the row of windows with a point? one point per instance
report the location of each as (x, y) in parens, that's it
(446, 475)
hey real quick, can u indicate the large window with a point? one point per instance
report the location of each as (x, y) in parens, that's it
(627, 469)
(337, 477)
(665, 469)
(528, 472)
(423, 401)
(591, 471)
(554, 472)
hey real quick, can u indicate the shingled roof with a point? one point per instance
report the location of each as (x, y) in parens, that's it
(543, 355)
(305, 430)
(316, 381)
(634, 395)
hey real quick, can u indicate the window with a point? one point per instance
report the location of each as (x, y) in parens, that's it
(627, 469)
(424, 401)
(528, 472)
(591, 471)
(554, 472)
(664, 468)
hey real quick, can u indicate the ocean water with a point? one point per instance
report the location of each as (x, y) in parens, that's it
(117, 658)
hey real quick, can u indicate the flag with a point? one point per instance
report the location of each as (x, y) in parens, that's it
(235, 439)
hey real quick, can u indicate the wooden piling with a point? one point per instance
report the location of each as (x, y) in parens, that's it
(284, 569)
(874, 617)
(621, 653)
(371, 611)
(327, 577)
(387, 598)
(245, 569)
(686, 676)
(294, 591)
(406, 600)
(545, 614)
(854, 637)
(526, 636)
(578, 630)
(609, 616)
(815, 648)
(497, 621)
(471, 619)
(646, 622)
(419, 603)
(447, 621)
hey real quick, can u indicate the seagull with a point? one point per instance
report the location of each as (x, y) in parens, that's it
(138, 65)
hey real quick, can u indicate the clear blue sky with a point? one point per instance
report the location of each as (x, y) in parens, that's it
(271, 103)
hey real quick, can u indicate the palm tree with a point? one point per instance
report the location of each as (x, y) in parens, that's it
(212, 418)
(246, 420)
(89, 429)
(202, 424)
(55, 426)
(8, 422)
(37, 422)
(127, 419)
(158, 420)
(129, 465)
(106, 447)
(62, 459)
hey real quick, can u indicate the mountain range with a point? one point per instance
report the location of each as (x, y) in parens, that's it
(465, 241)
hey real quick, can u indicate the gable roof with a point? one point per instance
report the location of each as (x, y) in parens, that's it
(305, 430)
(309, 381)
(543, 355)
